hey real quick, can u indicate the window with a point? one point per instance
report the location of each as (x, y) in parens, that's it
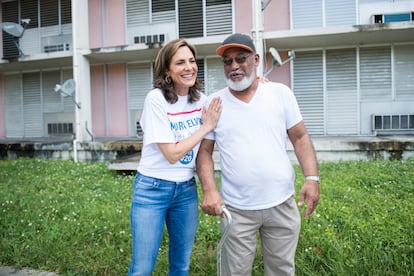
(10, 13)
(190, 14)
(163, 5)
(49, 13)
(200, 72)
(29, 10)
(375, 73)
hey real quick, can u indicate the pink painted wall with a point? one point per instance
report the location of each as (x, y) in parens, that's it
(243, 17)
(277, 16)
(280, 74)
(108, 30)
(2, 119)
(98, 100)
(115, 23)
(95, 23)
(117, 100)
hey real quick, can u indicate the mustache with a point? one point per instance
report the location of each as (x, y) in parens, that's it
(236, 72)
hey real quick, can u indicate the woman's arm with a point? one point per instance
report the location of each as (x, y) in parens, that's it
(174, 152)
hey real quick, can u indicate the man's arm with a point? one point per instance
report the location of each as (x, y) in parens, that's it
(306, 156)
(212, 200)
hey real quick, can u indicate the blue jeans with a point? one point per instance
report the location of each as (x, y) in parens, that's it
(155, 202)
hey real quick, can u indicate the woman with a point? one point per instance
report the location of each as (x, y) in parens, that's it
(165, 192)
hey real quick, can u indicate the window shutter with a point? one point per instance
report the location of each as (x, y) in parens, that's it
(306, 14)
(308, 89)
(375, 73)
(10, 13)
(404, 72)
(190, 19)
(218, 17)
(340, 13)
(139, 84)
(29, 9)
(69, 105)
(32, 109)
(13, 106)
(200, 72)
(137, 13)
(341, 92)
(163, 5)
(66, 11)
(49, 13)
(52, 101)
(164, 16)
(215, 76)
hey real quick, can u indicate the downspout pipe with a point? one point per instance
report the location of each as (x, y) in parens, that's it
(257, 32)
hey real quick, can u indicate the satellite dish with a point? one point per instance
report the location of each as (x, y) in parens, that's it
(16, 31)
(277, 60)
(275, 55)
(13, 29)
(67, 89)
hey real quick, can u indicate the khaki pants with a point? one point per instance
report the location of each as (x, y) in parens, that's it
(279, 229)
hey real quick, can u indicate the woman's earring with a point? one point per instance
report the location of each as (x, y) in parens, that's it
(168, 79)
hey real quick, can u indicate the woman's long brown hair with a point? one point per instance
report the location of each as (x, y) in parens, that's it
(162, 66)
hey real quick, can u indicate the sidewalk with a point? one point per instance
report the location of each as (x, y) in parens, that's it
(11, 271)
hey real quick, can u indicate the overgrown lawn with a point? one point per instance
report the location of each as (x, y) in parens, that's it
(73, 218)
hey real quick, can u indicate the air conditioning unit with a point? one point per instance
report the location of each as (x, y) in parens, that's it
(59, 128)
(152, 41)
(56, 48)
(56, 43)
(392, 122)
(392, 17)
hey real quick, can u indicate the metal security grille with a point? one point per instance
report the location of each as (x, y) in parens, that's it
(57, 48)
(150, 39)
(59, 128)
(190, 18)
(393, 122)
(10, 13)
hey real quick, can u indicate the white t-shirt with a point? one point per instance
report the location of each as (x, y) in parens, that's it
(163, 122)
(256, 172)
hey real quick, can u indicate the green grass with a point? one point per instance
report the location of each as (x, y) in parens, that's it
(73, 218)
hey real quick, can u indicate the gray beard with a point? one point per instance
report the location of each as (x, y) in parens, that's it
(241, 85)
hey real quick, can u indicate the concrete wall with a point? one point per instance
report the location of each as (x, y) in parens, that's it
(124, 155)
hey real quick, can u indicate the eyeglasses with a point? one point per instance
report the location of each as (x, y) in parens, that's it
(239, 59)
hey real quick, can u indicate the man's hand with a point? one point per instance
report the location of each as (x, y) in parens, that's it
(212, 203)
(309, 194)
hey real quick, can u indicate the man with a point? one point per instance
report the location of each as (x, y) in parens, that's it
(257, 177)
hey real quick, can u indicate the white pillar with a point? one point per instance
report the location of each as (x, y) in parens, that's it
(81, 71)
(257, 32)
